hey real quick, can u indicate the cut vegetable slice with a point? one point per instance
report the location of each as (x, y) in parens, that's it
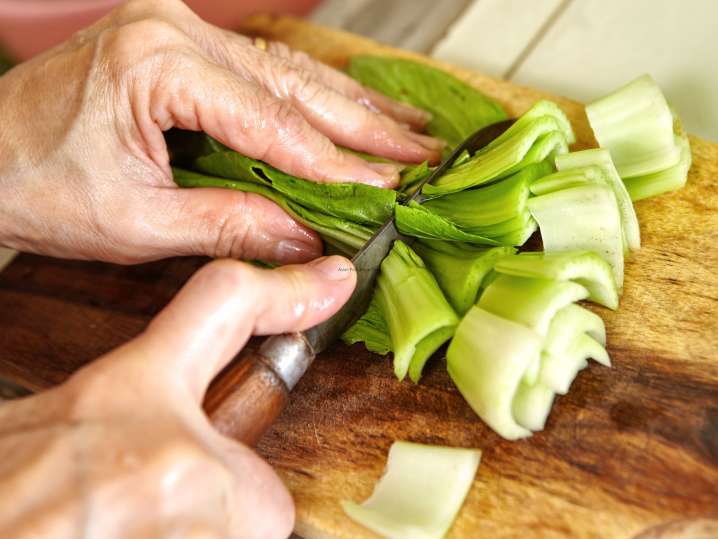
(635, 124)
(532, 405)
(664, 181)
(582, 218)
(584, 267)
(558, 371)
(487, 358)
(531, 302)
(420, 493)
(459, 268)
(570, 322)
(488, 206)
(537, 141)
(417, 313)
(601, 158)
(417, 221)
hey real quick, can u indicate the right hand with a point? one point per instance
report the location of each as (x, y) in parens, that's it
(123, 450)
(84, 170)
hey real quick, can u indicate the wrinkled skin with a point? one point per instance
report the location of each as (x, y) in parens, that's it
(84, 171)
(123, 449)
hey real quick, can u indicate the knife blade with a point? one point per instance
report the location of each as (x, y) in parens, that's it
(246, 398)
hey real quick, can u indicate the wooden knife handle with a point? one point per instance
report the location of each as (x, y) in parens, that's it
(247, 397)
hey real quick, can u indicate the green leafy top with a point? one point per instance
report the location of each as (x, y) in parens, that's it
(457, 108)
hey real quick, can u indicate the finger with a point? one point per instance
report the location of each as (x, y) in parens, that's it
(224, 303)
(203, 96)
(401, 112)
(347, 122)
(223, 223)
(337, 106)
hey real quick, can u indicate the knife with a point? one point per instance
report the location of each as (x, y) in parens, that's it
(246, 398)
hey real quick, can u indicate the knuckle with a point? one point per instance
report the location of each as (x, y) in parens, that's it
(229, 275)
(121, 42)
(279, 49)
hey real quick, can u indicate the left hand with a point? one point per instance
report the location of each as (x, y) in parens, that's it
(84, 171)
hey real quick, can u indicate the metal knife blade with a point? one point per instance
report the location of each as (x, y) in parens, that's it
(369, 258)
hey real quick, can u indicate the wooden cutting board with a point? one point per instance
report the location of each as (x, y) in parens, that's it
(628, 449)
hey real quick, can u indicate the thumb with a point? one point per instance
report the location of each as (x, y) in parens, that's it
(227, 301)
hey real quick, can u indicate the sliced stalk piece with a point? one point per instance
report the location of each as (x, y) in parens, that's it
(670, 179)
(581, 218)
(417, 221)
(558, 371)
(583, 267)
(601, 157)
(490, 205)
(420, 493)
(537, 110)
(417, 313)
(531, 302)
(565, 179)
(570, 322)
(535, 142)
(459, 269)
(532, 405)
(487, 359)
(635, 124)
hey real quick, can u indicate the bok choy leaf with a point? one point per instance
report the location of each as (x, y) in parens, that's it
(457, 109)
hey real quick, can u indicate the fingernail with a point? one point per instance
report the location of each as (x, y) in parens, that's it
(334, 268)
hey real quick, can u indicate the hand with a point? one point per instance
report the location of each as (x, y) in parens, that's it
(84, 171)
(123, 449)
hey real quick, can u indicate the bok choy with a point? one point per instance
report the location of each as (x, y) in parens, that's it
(420, 493)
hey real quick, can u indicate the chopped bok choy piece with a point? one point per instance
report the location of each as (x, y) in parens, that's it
(636, 124)
(417, 221)
(670, 179)
(558, 371)
(540, 139)
(600, 157)
(417, 313)
(532, 405)
(487, 359)
(459, 268)
(531, 302)
(584, 267)
(420, 493)
(582, 218)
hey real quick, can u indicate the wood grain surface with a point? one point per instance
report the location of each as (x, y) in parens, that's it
(628, 449)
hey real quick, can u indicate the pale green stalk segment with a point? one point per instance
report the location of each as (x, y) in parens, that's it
(420, 493)
(417, 313)
(581, 218)
(531, 302)
(570, 322)
(559, 370)
(532, 405)
(600, 157)
(583, 267)
(539, 139)
(670, 179)
(459, 269)
(635, 124)
(487, 359)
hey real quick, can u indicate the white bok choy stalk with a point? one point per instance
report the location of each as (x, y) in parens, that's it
(420, 493)
(582, 218)
(636, 124)
(418, 316)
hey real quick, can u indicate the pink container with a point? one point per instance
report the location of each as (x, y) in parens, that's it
(31, 26)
